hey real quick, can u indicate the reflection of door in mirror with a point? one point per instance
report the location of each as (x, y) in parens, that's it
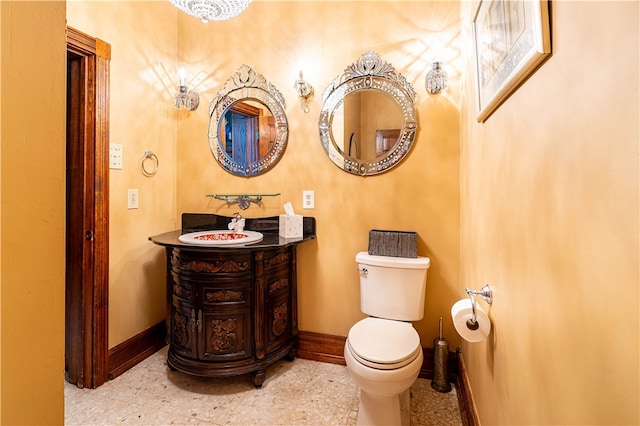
(247, 132)
(365, 113)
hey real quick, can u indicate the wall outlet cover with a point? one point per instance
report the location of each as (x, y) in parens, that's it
(308, 200)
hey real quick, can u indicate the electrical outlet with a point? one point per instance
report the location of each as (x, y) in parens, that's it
(115, 156)
(132, 199)
(308, 201)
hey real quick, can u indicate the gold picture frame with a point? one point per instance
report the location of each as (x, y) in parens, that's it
(511, 40)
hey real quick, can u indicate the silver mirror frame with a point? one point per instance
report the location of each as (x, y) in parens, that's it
(247, 84)
(370, 71)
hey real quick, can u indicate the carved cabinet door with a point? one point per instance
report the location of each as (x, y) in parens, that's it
(279, 280)
(183, 320)
(226, 319)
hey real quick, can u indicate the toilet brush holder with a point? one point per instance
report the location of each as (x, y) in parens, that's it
(440, 380)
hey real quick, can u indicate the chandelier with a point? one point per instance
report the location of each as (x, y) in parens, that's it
(212, 10)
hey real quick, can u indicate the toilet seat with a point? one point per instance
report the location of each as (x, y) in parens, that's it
(384, 344)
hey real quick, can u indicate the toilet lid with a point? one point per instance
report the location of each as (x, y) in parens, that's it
(384, 344)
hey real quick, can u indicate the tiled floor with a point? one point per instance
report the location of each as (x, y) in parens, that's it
(300, 392)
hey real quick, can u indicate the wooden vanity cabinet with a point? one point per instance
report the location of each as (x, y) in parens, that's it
(231, 311)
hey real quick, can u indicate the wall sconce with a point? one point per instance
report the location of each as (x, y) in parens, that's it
(436, 80)
(189, 99)
(305, 91)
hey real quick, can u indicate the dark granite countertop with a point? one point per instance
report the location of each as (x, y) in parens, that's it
(268, 226)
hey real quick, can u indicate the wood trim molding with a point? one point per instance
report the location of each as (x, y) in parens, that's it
(101, 203)
(86, 343)
(321, 347)
(80, 41)
(467, 405)
(136, 349)
(329, 348)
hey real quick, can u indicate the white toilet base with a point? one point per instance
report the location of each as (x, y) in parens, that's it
(384, 410)
(384, 394)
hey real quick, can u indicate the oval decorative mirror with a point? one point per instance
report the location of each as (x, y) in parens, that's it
(248, 128)
(368, 118)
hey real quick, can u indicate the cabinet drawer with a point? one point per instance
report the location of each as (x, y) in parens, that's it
(276, 259)
(186, 262)
(277, 284)
(226, 294)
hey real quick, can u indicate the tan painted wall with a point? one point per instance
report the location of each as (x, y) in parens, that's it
(549, 217)
(278, 39)
(32, 214)
(143, 39)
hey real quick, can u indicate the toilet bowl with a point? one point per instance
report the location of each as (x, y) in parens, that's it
(384, 358)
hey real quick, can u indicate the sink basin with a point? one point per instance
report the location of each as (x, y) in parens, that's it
(220, 238)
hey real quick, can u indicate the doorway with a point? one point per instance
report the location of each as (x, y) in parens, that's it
(87, 210)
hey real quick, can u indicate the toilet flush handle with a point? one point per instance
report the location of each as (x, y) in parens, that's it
(362, 270)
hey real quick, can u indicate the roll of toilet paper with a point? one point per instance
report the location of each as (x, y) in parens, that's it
(461, 312)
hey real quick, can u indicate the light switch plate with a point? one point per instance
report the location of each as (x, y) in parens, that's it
(115, 156)
(132, 199)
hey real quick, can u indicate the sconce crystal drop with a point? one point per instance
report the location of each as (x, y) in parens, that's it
(436, 80)
(212, 10)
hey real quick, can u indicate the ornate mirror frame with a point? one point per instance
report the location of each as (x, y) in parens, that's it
(248, 85)
(370, 71)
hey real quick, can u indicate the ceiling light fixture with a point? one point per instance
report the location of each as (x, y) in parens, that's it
(212, 10)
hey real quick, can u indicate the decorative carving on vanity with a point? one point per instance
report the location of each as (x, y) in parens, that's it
(278, 284)
(224, 296)
(279, 319)
(224, 335)
(181, 334)
(277, 259)
(211, 267)
(182, 291)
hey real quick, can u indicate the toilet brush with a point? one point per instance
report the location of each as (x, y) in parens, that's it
(440, 361)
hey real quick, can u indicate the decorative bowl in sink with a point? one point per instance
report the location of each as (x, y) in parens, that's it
(221, 238)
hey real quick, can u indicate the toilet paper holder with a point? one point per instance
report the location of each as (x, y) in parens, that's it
(487, 295)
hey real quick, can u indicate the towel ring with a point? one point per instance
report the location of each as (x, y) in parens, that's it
(148, 155)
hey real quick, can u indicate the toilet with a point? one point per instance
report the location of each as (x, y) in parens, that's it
(383, 352)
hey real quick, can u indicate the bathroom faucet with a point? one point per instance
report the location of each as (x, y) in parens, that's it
(237, 223)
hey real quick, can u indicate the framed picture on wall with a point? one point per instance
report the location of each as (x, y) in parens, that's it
(511, 39)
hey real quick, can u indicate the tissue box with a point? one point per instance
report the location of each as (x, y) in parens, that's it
(393, 243)
(291, 226)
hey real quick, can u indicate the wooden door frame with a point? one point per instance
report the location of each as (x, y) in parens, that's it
(86, 340)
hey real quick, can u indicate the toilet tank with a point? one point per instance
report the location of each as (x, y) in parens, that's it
(392, 287)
